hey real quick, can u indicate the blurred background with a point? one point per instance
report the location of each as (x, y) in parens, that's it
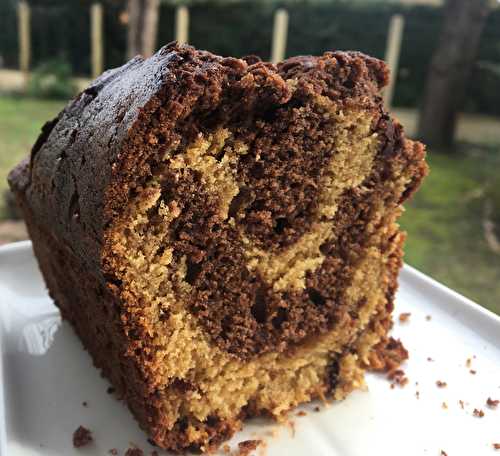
(445, 89)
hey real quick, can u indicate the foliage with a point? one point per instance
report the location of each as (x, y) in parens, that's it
(52, 79)
(484, 95)
(61, 27)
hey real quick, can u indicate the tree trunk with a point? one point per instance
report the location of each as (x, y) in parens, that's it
(142, 27)
(450, 69)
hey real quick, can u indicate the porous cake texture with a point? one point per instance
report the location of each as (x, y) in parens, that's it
(221, 232)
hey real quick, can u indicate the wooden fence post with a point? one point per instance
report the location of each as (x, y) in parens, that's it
(392, 52)
(182, 24)
(280, 31)
(96, 39)
(150, 23)
(23, 14)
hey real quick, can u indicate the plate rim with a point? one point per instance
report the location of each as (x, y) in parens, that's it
(452, 303)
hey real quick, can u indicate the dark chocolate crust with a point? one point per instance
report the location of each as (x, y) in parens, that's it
(88, 162)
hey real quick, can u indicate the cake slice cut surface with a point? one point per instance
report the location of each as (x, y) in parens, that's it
(221, 233)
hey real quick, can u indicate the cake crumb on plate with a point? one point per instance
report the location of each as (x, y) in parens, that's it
(247, 446)
(404, 317)
(81, 437)
(134, 452)
(398, 377)
(387, 355)
(492, 403)
(478, 412)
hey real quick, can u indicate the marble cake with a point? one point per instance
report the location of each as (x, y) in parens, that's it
(221, 232)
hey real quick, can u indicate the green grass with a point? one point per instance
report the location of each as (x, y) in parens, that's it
(444, 220)
(444, 224)
(20, 123)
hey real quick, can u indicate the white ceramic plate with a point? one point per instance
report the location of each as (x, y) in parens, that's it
(46, 375)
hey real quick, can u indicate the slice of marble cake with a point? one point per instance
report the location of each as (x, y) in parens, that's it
(221, 233)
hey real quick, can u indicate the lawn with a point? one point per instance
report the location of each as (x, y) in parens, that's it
(444, 221)
(20, 123)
